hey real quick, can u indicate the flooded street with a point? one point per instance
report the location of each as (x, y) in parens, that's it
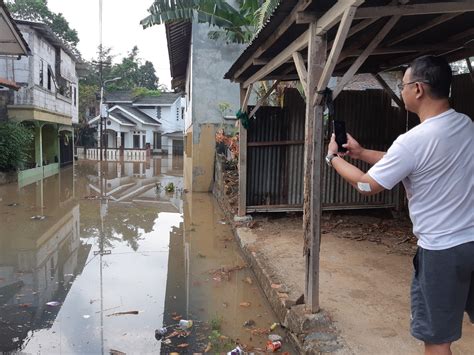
(96, 258)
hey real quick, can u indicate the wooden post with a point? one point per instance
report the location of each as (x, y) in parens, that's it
(244, 97)
(469, 67)
(312, 187)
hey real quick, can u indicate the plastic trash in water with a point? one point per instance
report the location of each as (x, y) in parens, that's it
(53, 303)
(274, 337)
(160, 333)
(236, 351)
(185, 324)
(273, 346)
(273, 326)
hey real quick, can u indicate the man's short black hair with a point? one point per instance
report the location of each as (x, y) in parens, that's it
(436, 72)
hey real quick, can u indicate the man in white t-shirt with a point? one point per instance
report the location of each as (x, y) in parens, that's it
(434, 161)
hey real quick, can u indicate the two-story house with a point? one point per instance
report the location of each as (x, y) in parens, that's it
(47, 99)
(138, 123)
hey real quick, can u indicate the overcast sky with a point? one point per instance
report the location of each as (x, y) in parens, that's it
(121, 30)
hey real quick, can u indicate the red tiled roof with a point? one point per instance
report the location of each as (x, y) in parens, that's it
(9, 84)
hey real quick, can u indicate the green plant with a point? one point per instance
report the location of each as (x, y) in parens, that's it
(234, 24)
(224, 108)
(219, 342)
(15, 143)
(170, 187)
(216, 322)
(142, 92)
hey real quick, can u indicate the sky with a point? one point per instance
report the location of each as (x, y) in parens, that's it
(121, 30)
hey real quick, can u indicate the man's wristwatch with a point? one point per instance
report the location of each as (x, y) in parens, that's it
(329, 159)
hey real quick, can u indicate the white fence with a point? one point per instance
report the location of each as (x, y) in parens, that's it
(114, 154)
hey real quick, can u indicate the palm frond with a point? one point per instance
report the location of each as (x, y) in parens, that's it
(264, 12)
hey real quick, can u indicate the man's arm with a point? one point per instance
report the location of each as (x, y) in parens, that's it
(356, 151)
(353, 175)
(356, 177)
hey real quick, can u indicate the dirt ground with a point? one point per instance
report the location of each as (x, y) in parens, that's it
(365, 275)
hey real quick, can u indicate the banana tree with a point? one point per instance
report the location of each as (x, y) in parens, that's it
(232, 24)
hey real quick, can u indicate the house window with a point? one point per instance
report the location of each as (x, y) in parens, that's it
(50, 78)
(158, 112)
(136, 141)
(75, 96)
(177, 113)
(157, 140)
(41, 73)
(182, 112)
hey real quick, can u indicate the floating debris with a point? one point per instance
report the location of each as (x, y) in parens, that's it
(273, 326)
(245, 304)
(185, 324)
(236, 351)
(14, 204)
(122, 313)
(53, 303)
(248, 280)
(38, 218)
(274, 337)
(273, 346)
(86, 316)
(249, 323)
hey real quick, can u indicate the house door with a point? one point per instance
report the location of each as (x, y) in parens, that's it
(136, 141)
(177, 147)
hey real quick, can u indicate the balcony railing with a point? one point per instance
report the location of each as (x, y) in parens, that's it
(113, 154)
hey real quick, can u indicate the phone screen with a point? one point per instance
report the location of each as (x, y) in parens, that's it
(339, 128)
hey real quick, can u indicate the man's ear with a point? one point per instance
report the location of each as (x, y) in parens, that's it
(420, 90)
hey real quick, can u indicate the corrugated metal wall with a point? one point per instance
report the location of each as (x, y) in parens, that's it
(275, 151)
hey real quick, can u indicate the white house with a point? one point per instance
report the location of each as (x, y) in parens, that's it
(151, 122)
(46, 99)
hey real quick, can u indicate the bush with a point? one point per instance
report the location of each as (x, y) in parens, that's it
(15, 142)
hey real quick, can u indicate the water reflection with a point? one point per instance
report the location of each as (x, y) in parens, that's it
(122, 251)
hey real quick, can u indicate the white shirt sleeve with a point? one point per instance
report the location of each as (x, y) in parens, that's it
(396, 165)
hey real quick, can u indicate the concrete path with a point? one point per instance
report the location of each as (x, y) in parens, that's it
(364, 289)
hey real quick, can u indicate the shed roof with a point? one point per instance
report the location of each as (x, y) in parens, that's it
(126, 96)
(425, 27)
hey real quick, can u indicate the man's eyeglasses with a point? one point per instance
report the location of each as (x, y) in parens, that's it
(402, 85)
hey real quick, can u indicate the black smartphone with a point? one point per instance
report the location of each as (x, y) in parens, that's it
(339, 129)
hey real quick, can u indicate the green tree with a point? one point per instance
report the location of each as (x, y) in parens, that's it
(37, 10)
(15, 143)
(234, 25)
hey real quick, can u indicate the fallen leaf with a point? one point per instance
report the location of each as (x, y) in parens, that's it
(208, 347)
(183, 345)
(274, 286)
(244, 304)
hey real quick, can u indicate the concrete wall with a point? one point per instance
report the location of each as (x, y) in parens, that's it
(206, 88)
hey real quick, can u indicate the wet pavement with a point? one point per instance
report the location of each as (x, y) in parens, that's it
(96, 258)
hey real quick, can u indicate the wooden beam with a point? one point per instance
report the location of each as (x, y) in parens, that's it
(338, 43)
(306, 17)
(389, 90)
(361, 59)
(300, 6)
(312, 185)
(326, 22)
(262, 100)
(415, 9)
(300, 43)
(424, 27)
(245, 101)
(301, 70)
(243, 155)
(407, 49)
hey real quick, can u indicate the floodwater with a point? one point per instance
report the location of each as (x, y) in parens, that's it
(96, 258)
